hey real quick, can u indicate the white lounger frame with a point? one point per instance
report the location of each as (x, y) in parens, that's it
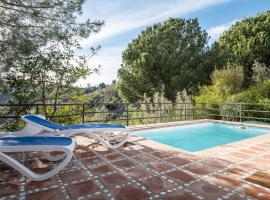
(67, 150)
(121, 135)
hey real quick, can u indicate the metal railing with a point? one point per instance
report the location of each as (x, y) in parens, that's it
(139, 113)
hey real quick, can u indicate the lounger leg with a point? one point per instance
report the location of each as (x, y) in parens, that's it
(49, 157)
(30, 174)
(107, 144)
(100, 139)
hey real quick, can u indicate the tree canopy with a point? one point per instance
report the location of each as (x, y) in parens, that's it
(33, 26)
(248, 41)
(166, 58)
(38, 43)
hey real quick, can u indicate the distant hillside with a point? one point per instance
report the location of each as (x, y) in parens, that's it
(108, 93)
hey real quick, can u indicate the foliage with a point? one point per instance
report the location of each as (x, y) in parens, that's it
(72, 113)
(224, 90)
(166, 58)
(259, 93)
(225, 82)
(248, 41)
(260, 72)
(105, 103)
(38, 45)
(160, 109)
(39, 40)
(228, 80)
(29, 25)
(165, 64)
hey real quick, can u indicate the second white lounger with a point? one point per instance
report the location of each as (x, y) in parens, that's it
(111, 135)
(36, 143)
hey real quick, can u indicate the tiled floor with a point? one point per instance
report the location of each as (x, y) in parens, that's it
(148, 170)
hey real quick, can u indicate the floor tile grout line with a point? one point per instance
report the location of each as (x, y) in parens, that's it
(208, 158)
(122, 170)
(157, 173)
(99, 183)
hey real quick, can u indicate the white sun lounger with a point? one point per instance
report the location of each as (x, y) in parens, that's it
(36, 143)
(111, 135)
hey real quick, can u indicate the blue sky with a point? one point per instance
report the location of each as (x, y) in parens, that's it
(125, 19)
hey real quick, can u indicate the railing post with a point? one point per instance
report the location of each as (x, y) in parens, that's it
(240, 112)
(193, 111)
(160, 106)
(185, 111)
(83, 109)
(227, 115)
(37, 109)
(206, 112)
(127, 114)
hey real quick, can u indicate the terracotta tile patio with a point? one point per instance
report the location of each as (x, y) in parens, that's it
(145, 169)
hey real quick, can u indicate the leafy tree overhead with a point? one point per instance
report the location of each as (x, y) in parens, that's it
(166, 58)
(38, 43)
(30, 23)
(248, 41)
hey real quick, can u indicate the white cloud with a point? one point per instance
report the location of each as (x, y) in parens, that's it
(110, 60)
(121, 21)
(216, 31)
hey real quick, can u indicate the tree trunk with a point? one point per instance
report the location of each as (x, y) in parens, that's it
(44, 97)
(56, 97)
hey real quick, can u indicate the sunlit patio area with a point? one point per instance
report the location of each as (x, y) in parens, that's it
(143, 169)
(135, 100)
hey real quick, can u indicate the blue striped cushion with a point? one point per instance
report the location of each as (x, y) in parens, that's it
(44, 122)
(34, 140)
(80, 126)
(52, 125)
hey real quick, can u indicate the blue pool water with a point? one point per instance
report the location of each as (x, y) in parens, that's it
(196, 137)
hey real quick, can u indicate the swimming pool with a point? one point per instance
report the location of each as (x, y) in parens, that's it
(196, 137)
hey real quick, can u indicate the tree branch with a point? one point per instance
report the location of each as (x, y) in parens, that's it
(31, 6)
(56, 96)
